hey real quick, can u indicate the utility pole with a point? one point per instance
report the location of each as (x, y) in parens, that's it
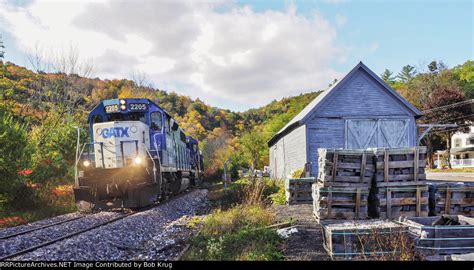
(76, 178)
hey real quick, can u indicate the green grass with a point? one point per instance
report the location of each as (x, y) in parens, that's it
(239, 233)
(237, 229)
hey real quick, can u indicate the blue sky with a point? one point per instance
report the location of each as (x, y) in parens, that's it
(406, 32)
(230, 67)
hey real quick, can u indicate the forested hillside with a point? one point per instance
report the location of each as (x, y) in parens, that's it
(39, 112)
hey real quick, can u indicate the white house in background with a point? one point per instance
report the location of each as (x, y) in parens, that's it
(462, 149)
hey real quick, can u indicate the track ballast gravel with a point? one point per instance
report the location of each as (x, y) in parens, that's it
(149, 235)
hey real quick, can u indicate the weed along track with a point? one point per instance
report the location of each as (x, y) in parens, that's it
(100, 236)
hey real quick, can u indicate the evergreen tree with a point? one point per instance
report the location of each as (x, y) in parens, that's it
(408, 72)
(387, 76)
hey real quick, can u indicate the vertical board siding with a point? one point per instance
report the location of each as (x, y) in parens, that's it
(289, 153)
(361, 96)
(323, 133)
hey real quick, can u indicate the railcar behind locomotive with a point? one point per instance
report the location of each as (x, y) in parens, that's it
(137, 155)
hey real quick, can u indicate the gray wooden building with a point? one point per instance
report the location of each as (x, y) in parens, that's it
(358, 112)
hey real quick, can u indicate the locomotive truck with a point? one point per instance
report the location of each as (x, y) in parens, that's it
(137, 155)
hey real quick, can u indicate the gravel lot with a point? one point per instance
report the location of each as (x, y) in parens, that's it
(307, 243)
(156, 234)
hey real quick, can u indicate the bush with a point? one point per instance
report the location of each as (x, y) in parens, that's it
(239, 233)
(13, 142)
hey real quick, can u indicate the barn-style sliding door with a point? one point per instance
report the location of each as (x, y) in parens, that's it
(365, 133)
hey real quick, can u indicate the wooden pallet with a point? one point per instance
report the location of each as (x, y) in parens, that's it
(434, 238)
(350, 168)
(339, 202)
(410, 201)
(453, 199)
(402, 166)
(360, 238)
(298, 191)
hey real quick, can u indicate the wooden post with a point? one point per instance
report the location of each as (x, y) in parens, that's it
(447, 204)
(418, 201)
(389, 203)
(329, 202)
(362, 167)
(386, 163)
(357, 210)
(334, 166)
(416, 164)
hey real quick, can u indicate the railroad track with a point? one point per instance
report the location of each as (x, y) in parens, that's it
(39, 228)
(64, 237)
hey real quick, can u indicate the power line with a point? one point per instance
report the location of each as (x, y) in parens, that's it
(465, 102)
(450, 129)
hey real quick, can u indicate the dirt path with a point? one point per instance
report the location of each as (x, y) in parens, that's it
(307, 243)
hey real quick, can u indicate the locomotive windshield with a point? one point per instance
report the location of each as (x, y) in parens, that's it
(124, 117)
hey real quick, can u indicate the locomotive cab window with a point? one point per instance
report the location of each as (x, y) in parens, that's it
(183, 136)
(116, 117)
(156, 121)
(137, 117)
(97, 119)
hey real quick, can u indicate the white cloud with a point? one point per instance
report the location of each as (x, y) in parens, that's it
(340, 20)
(212, 51)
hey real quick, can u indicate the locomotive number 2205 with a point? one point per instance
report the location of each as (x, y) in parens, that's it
(138, 106)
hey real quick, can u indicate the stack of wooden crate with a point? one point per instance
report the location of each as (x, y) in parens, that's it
(400, 185)
(298, 191)
(441, 235)
(343, 183)
(362, 239)
(452, 198)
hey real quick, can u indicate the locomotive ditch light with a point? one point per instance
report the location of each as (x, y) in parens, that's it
(137, 160)
(86, 163)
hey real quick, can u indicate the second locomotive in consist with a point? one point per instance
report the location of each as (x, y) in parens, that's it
(137, 155)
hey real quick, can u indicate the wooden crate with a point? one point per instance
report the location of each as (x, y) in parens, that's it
(298, 191)
(361, 238)
(339, 202)
(434, 237)
(411, 201)
(350, 168)
(452, 198)
(400, 166)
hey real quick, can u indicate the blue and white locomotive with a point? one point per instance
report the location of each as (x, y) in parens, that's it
(137, 155)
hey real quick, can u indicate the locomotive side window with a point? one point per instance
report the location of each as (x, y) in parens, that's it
(156, 121)
(183, 136)
(167, 125)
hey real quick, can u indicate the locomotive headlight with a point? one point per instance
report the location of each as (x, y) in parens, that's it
(86, 163)
(138, 160)
(122, 102)
(123, 107)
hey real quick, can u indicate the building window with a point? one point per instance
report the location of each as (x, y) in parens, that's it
(457, 142)
(470, 141)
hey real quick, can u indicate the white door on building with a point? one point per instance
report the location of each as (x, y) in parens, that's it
(365, 133)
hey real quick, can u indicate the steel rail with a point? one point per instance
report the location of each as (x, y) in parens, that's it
(39, 228)
(28, 250)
